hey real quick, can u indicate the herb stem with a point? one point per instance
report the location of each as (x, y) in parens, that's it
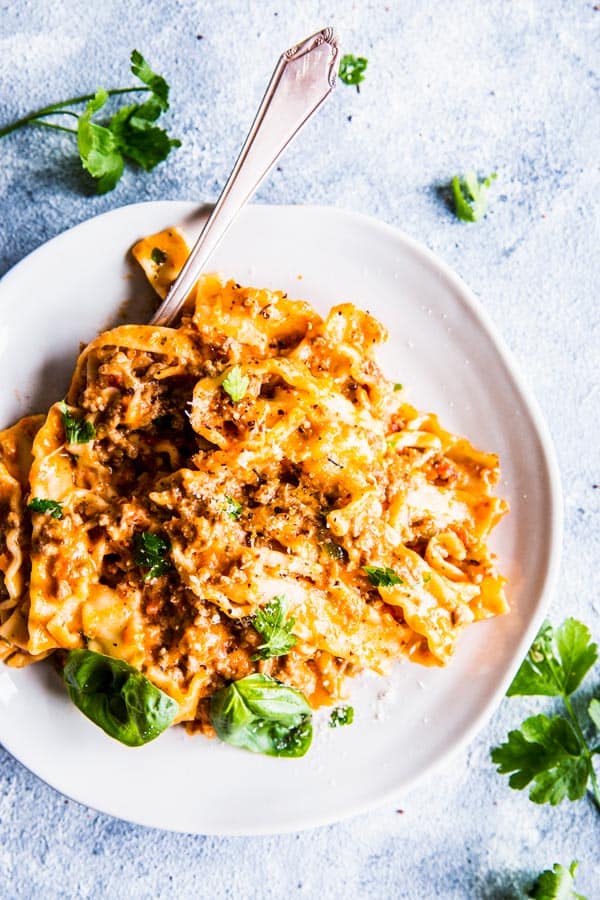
(56, 127)
(586, 751)
(31, 118)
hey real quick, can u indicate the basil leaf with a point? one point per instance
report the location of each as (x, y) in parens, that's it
(260, 714)
(117, 698)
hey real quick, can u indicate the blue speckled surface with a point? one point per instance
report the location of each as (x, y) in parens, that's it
(511, 87)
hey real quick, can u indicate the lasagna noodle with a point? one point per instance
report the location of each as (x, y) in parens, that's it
(332, 470)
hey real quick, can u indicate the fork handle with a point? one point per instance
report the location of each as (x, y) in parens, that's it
(304, 77)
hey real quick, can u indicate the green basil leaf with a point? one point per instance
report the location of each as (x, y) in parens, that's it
(117, 697)
(260, 714)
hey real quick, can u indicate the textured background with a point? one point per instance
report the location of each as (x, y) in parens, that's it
(505, 86)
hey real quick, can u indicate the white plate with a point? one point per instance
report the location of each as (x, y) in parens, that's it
(443, 348)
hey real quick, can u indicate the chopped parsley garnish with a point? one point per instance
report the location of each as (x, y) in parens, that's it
(382, 576)
(470, 196)
(233, 508)
(426, 578)
(235, 384)
(398, 386)
(341, 715)
(352, 69)
(271, 624)
(77, 431)
(38, 504)
(129, 133)
(158, 256)
(552, 753)
(150, 552)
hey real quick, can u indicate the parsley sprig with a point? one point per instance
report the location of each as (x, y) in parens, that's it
(276, 631)
(557, 883)
(130, 133)
(352, 70)
(552, 752)
(471, 196)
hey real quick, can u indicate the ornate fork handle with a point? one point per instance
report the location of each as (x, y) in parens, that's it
(304, 77)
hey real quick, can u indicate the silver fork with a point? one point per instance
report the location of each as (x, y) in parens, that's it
(303, 78)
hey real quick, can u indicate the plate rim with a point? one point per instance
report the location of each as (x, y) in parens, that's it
(470, 301)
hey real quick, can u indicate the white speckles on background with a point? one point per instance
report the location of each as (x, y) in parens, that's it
(511, 87)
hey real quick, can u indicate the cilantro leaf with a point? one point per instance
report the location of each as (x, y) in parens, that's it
(382, 576)
(557, 883)
(98, 146)
(77, 431)
(352, 69)
(150, 552)
(233, 508)
(470, 196)
(39, 504)
(594, 713)
(557, 661)
(276, 632)
(235, 384)
(341, 715)
(547, 752)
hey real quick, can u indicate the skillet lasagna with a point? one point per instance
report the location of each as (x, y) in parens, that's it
(252, 461)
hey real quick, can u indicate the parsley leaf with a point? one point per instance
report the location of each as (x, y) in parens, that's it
(470, 196)
(557, 661)
(594, 713)
(138, 139)
(398, 386)
(156, 83)
(235, 384)
(233, 508)
(158, 256)
(38, 504)
(553, 753)
(382, 576)
(98, 146)
(341, 715)
(150, 552)
(557, 883)
(352, 69)
(547, 752)
(274, 629)
(77, 431)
